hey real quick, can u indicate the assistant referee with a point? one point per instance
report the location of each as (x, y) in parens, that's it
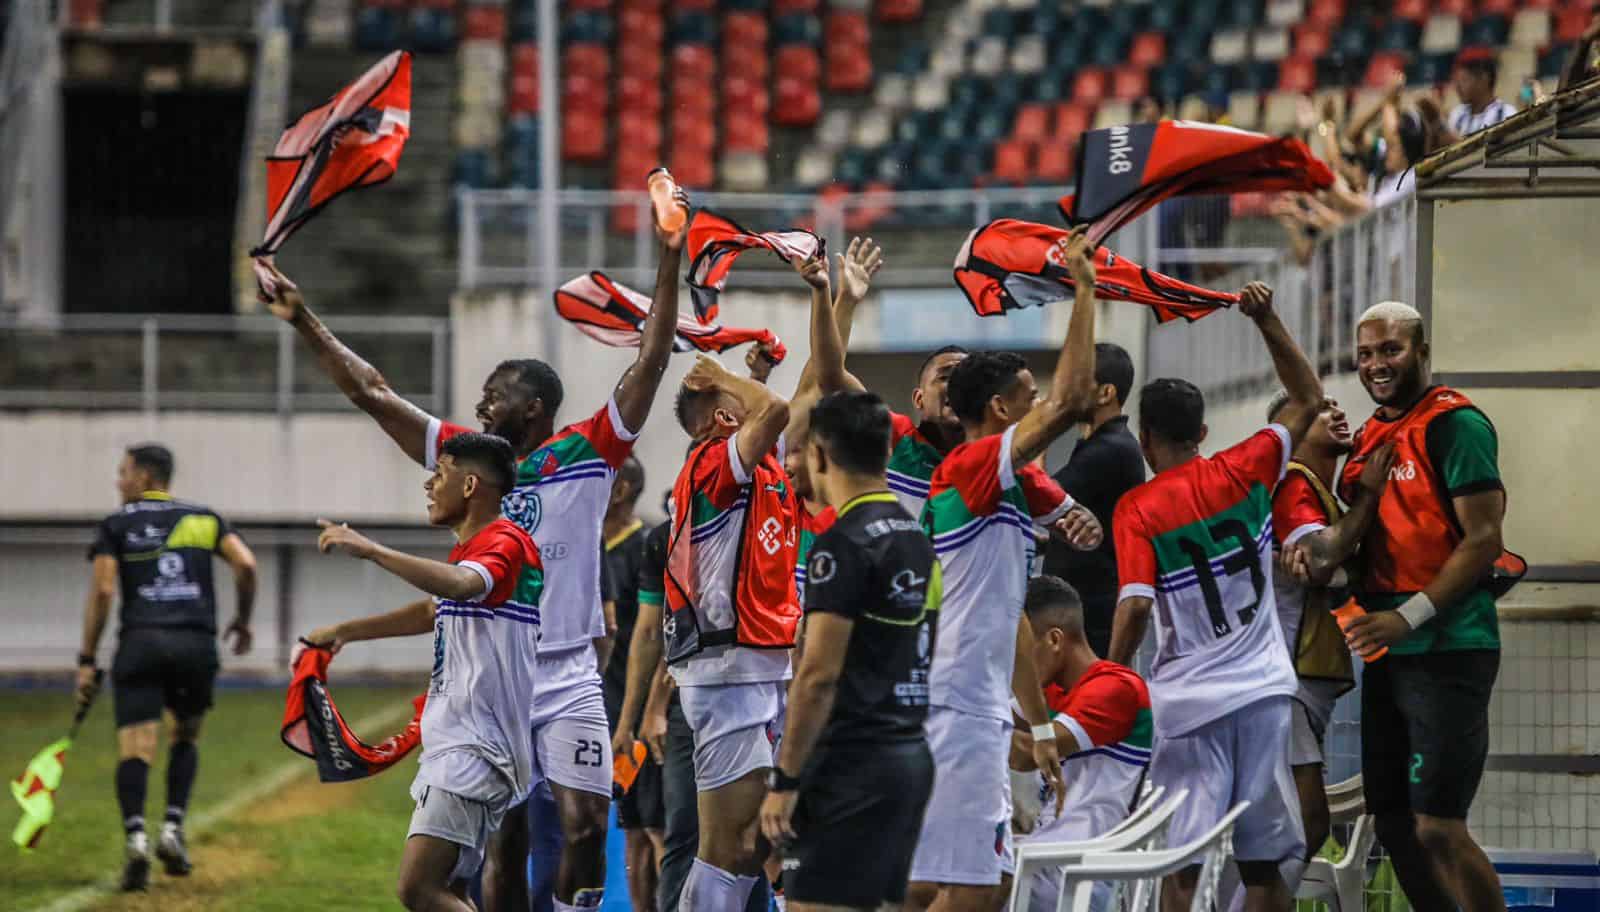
(853, 770)
(156, 552)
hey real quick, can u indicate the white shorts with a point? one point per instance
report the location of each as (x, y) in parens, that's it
(1313, 709)
(736, 728)
(966, 831)
(571, 738)
(1244, 756)
(1045, 892)
(467, 823)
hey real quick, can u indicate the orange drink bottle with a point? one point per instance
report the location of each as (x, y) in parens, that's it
(1346, 614)
(670, 213)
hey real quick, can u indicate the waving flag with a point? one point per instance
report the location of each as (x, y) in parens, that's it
(35, 789)
(312, 725)
(353, 140)
(614, 314)
(715, 241)
(1124, 171)
(1009, 264)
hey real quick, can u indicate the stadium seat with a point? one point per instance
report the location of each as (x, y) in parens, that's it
(799, 61)
(1326, 13)
(482, 23)
(1089, 87)
(1410, 10)
(930, 93)
(1430, 69)
(1571, 22)
(698, 6)
(813, 167)
(1311, 40)
(1230, 46)
(788, 7)
(1399, 35)
(849, 71)
(1553, 60)
(1032, 124)
(798, 102)
(523, 97)
(892, 92)
(1170, 82)
(1530, 29)
(471, 169)
(638, 95)
(432, 30)
(1382, 70)
(589, 61)
(1486, 31)
(744, 29)
(1458, 8)
(1028, 55)
(745, 96)
(692, 168)
(1244, 109)
(1269, 44)
(1280, 112)
(378, 29)
(1130, 83)
(744, 171)
(872, 130)
(989, 56)
(1193, 107)
(588, 26)
(1441, 35)
(796, 29)
(1050, 86)
(1109, 50)
(835, 127)
(583, 136)
(645, 26)
(1052, 161)
(744, 132)
(693, 61)
(1148, 49)
(692, 28)
(896, 11)
(583, 93)
(1112, 114)
(846, 28)
(753, 62)
(1071, 119)
(1013, 161)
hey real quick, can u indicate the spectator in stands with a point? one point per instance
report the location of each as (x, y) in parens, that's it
(1582, 64)
(1147, 110)
(1105, 465)
(1406, 135)
(1479, 108)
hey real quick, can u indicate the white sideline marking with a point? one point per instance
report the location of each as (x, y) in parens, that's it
(83, 897)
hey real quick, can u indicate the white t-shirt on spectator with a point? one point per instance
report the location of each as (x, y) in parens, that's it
(1465, 121)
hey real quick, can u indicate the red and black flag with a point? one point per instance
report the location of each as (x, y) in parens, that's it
(614, 314)
(715, 241)
(1124, 171)
(312, 726)
(353, 140)
(1009, 264)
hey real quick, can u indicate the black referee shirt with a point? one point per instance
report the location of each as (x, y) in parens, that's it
(1103, 467)
(163, 549)
(876, 566)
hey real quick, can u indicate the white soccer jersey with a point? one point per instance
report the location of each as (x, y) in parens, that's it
(980, 514)
(1465, 121)
(560, 499)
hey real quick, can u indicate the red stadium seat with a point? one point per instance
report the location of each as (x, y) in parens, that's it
(1382, 68)
(898, 10)
(1053, 164)
(693, 168)
(1311, 40)
(799, 61)
(642, 95)
(1032, 124)
(1506, 8)
(523, 97)
(640, 133)
(625, 216)
(1571, 22)
(744, 133)
(875, 205)
(602, 5)
(1325, 13)
(846, 28)
(650, 5)
(1462, 8)
(590, 60)
(798, 104)
(1149, 49)
(785, 7)
(696, 6)
(693, 60)
(1414, 10)
(583, 137)
(1130, 83)
(1089, 87)
(584, 94)
(692, 103)
(1297, 74)
(744, 29)
(643, 26)
(752, 61)
(849, 69)
(746, 96)
(693, 133)
(1545, 4)
(1013, 161)
(525, 59)
(485, 23)
(1071, 120)
(647, 64)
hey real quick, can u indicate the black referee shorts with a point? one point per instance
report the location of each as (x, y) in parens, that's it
(1425, 731)
(857, 823)
(157, 668)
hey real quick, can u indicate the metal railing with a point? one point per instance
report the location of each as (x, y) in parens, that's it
(162, 362)
(1365, 261)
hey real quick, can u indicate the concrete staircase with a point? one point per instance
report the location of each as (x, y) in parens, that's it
(383, 249)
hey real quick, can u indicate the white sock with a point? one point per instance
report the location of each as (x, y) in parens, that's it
(711, 889)
(585, 900)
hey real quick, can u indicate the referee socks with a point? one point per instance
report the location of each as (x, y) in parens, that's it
(183, 762)
(132, 776)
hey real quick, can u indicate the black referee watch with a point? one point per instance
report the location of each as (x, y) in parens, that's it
(85, 660)
(780, 781)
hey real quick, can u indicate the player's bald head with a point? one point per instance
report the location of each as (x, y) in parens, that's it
(1397, 312)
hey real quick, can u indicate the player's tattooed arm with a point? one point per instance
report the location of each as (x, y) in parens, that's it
(636, 391)
(1071, 395)
(364, 385)
(1325, 550)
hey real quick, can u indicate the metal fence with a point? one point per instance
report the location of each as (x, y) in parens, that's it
(243, 363)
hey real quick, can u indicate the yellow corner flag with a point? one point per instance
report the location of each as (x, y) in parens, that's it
(35, 790)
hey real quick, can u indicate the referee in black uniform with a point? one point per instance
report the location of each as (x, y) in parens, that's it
(854, 772)
(156, 553)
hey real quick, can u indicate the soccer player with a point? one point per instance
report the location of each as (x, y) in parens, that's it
(1427, 564)
(1101, 714)
(1316, 537)
(854, 772)
(477, 760)
(731, 616)
(639, 811)
(563, 487)
(154, 556)
(1196, 541)
(984, 499)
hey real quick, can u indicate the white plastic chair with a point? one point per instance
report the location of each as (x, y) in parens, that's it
(1143, 829)
(1342, 884)
(1210, 851)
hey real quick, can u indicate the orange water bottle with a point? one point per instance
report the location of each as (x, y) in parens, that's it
(1346, 614)
(670, 213)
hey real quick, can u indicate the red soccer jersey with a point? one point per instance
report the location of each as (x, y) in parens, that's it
(499, 553)
(1108, 713)
(1296, 510)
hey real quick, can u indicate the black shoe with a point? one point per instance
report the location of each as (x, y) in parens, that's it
(172, 851)
(136, 873)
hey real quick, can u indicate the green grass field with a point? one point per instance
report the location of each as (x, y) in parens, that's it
(306, 846)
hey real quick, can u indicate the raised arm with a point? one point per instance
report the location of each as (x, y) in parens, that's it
(636, 391)
(360, 382)
(1072, 385)
(1294, 370)
(824, 371)
(1325, 550)
(1358, 125)
(242, 561)
(447, 581)
(766, 413)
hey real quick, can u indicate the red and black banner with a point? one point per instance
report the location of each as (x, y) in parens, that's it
(313, 726)
(614, 314)
(715, 241)
(1010, 264)
(1124, 171)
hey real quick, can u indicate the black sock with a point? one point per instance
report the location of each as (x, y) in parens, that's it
(132, 774)
(182, 763)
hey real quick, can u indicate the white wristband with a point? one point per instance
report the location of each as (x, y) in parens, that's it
(1417, 610)
(1044, 732)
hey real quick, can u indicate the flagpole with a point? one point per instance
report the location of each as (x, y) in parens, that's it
(549, 179)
